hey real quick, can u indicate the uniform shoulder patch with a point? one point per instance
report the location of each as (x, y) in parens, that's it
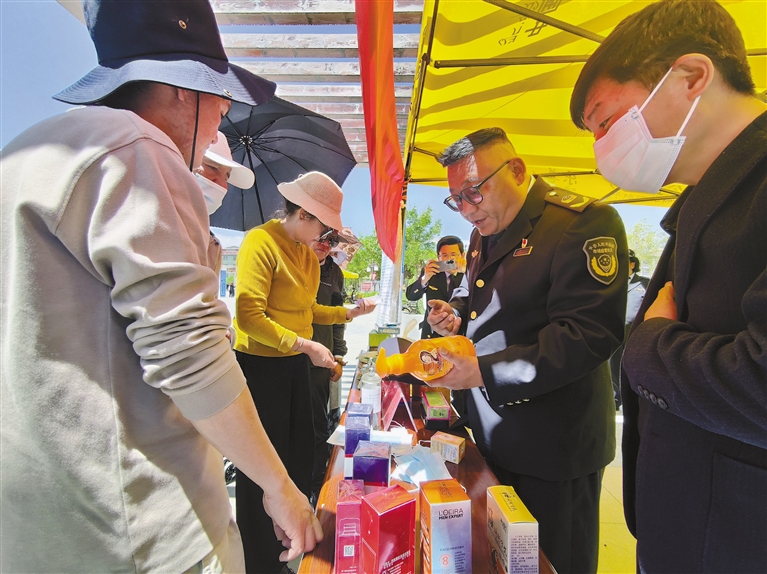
(569, 200)
(602, 258)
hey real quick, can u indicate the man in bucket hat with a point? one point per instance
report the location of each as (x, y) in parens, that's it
(117, 378)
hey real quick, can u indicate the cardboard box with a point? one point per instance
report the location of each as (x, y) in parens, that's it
(388, 532)
(372, 463)
(348, 529)
(512, 532)
(451, 448)
(445, 527)
(435, 406)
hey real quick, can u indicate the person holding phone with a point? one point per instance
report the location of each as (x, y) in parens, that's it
(439, 278)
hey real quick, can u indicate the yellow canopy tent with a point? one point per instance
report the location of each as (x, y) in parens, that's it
(486, 63)
(350, 274)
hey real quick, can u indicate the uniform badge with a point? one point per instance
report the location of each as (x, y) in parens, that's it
(602, 258)
(474, 253)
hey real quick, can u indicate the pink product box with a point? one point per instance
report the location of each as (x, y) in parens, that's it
(348, 529)
(372, 463)
(388, 532)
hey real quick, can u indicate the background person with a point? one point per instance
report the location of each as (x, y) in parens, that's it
(123, 388)
(278, 277)
(636, 290)
(436, 284)
(331, 293)
(214, 174)
(543, 303)
(695, 369)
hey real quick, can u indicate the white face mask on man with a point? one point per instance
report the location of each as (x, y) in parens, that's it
(629, 157)
(213, 193)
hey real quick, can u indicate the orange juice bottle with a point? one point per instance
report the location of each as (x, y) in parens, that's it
(423, 360)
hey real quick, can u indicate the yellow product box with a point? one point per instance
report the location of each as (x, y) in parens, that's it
(512, 532)
(445, 527)
(451, 448)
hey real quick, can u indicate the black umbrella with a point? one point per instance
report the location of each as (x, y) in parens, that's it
(279, 141)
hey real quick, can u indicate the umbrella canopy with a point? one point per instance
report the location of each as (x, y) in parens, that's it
(513, 65)
(279, 141)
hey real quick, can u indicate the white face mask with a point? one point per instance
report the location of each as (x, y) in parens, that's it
(629, 157)
(213, 193)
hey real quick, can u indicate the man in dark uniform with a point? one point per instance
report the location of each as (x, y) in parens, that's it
(637, 286)
(330, 292)
(543, 300)
(694, 379)
(436, 284)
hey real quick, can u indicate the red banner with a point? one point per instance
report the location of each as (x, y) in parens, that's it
(375, 38)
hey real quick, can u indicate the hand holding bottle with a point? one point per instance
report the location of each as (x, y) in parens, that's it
(465, 373)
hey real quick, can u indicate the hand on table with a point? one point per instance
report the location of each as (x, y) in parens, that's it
(295, 524)
(442, 319)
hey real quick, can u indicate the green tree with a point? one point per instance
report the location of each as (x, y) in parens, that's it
(421, 233)
(368, 253)
(647, 242)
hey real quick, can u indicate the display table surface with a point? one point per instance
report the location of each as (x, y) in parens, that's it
(472, 473)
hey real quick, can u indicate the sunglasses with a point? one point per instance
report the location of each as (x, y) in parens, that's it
(471, 194)
(330, 238)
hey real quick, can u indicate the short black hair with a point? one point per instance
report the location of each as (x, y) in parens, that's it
(468, 144)
(644, 46)
(635, 260)
(450, 240)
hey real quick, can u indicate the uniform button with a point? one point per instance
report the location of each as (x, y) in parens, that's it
(646, 394)
(473, 315)
(480, 283)
(653, 398)
(552, 193)
(640, 388)
(662, 404)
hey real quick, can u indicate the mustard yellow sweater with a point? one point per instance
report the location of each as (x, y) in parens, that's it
(277, 281)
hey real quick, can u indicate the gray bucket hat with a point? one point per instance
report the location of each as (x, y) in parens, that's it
(174, 42)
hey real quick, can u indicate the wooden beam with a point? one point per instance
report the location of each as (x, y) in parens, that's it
(300, 93)
(320, 71)
(297, 12)
(307, 45)
(360, 123)
(348, 109)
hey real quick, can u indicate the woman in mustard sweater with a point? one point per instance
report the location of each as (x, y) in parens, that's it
(277, 279)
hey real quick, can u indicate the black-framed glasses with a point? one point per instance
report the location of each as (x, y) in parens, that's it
(471, 194)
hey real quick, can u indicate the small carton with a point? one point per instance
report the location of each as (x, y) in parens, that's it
(450, 447)
(435, 406)
(357, 429)
(512, 532)
(348, 529)
(364, 410)
(388, 532)
(445, 527)
(372, 463)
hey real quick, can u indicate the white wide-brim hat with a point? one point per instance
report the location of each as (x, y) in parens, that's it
(220, 154)
(317, 194)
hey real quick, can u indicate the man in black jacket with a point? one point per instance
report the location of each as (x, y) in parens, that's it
(435, 283)
(543, 300)
(695, 367)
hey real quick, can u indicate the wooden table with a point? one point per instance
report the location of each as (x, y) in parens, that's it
(473, 474)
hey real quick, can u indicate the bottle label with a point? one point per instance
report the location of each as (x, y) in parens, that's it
(371, 395)
(432, 362)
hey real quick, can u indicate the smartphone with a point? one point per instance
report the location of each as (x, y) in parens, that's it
(448, 265)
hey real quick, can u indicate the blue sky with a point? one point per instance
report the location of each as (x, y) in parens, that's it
(43, 49)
